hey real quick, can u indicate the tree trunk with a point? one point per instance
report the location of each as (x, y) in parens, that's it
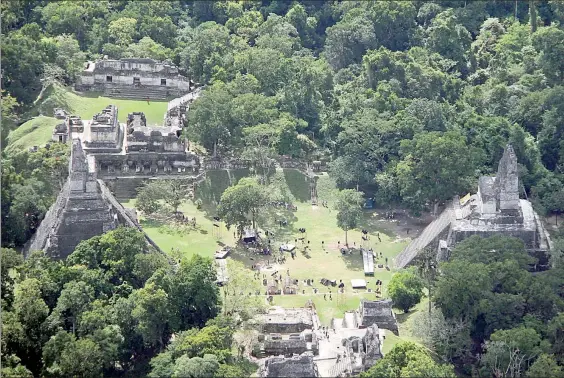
(215, 148)
(533, 16)
(346, 238)
(435, 208)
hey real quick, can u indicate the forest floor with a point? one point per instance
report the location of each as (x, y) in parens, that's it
(320, 261)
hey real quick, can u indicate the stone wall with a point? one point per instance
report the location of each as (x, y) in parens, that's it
(297, 366)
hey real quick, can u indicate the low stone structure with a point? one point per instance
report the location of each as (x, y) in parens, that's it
(103, 133)
(495, 209)
(296, 366)
(60, 133)
(379, 313)
(284, 320)
(275, 344)
(139, 78)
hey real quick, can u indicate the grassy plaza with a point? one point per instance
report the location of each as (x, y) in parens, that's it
(320, 261)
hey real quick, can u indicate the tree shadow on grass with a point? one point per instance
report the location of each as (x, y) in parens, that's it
(298, 184)
(353, 261)
(374, 225)
(210, 190)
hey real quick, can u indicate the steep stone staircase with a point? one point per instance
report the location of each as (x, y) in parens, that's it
(126, 188)
(136, 93)
(429, 234)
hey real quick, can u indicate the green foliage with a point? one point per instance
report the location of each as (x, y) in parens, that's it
(435, 167)
(407, 359)
(240, 204)
(406, 290)
(512, 350)
(349, 210)
(545, 366)
(151, 313)
(196, 367)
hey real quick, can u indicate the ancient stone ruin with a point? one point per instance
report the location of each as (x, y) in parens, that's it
(84, 208)
(297, 366)
(107, 158)
(127, 154)
(133, 78)
(275, 344)
(496, 209)
(285, 320)
(379, 313)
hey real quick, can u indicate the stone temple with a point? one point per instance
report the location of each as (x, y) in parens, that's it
(495, 209)
(84, 208)
(133, 78)
(110, 160)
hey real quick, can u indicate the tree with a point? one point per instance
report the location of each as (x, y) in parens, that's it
(193, 293)
(29, 307)
(205, 47)
(427, 269)
(151, 313)
(122, 31)
(69, 57)
(490, 250)
(460, 287)
(196, 367)
(198, 343)
(162, 365)
(349, 210)
(407, 359)
(450, 339)
(545, 366)
(149, 197)
(75, 298)
(148, 48)
(549, 41)
(10, 261)
(209, 119)
(240, 285)
(434, 167)
(448, 38)
(63, 351)
(240, 204)
(406, 290)
(511, 352)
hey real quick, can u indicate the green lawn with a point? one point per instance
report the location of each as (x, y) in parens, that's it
(89, 103)
(38, 130)
(320, 224)
(34, 132)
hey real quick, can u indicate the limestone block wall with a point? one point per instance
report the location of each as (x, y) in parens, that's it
(127, 80)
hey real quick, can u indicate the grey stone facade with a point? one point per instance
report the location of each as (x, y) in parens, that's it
(282, 320)
(297, 366)
(379, 313)
(133, 78)
(80, 212)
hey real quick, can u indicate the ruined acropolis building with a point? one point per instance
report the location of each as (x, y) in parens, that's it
(138, 78)
(495, 209)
